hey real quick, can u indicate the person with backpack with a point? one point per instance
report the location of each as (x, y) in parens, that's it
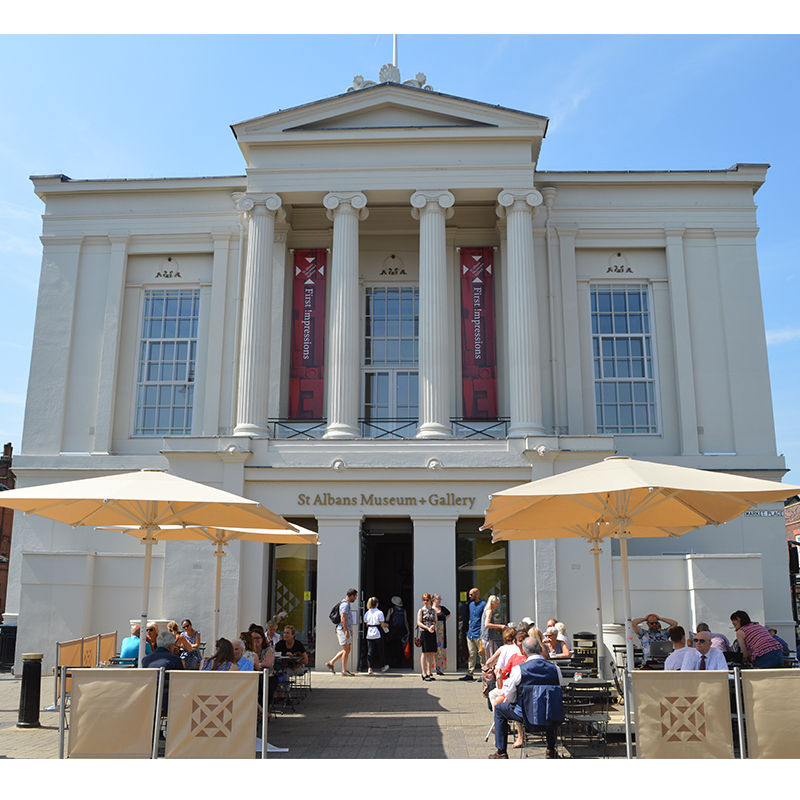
(343, 631)
(398, 631)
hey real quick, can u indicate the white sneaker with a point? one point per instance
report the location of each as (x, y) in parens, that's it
(385, 669)
(369, 671)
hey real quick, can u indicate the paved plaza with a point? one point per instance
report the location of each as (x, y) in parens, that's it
(389, 716)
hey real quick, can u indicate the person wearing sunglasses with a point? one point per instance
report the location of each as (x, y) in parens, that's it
(653, 632)
(703, 656)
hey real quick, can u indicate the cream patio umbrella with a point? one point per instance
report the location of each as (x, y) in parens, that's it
(221, 537)
(624, 498)
(144, 501)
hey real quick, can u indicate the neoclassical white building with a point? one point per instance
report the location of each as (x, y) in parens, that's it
(391, 315)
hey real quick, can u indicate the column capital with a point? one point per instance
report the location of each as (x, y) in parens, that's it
(258, 203)
(518, 200)
(676, 232)
(346, 203)
(432, 201)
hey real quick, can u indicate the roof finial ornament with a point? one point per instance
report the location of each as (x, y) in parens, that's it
(391, 74)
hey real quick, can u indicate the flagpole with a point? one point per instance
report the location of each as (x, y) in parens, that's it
(394, 43)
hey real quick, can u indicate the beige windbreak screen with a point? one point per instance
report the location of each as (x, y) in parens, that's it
(113, 713)
(682, 714)
(212, 715)
(772, 712)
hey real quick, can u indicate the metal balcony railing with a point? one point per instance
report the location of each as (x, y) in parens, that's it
(401, 428)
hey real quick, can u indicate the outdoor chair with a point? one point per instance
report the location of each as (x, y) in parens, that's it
(586, 712)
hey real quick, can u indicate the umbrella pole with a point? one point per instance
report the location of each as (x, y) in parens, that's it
(596, 551)
(626, 605)
(220, 554)
(148, 554)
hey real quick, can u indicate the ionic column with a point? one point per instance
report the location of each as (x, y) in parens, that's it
(252, 412)
(345, 210)
(432, 208)
(518, 206)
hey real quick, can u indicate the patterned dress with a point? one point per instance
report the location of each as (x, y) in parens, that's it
(191, 659)
(441, 639)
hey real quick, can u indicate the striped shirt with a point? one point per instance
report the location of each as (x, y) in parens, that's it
(758, 640)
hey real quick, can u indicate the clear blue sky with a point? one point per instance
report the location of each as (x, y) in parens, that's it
(159, 106)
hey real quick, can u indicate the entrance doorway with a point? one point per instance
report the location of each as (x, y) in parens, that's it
(387, 570)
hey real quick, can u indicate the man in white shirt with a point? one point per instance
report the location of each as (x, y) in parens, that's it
(704, 656)
(677, 635)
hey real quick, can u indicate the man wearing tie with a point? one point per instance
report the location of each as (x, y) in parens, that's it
(704, 656)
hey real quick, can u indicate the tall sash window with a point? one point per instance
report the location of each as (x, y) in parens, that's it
(623, 359)
(166, 366)
(391, 359)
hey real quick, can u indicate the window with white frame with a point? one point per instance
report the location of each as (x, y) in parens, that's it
(623, 359)
(166, 364)
(391, 354)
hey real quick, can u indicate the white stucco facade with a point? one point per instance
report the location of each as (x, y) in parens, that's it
(393, 182)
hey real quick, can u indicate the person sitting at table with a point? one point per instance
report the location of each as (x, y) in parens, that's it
(545, 712)
(488, 670)
(561, 632)
(677, 635)
(773, 632)
(654, 632)
(718, 640)
(755, 642)
(272, 634)
(152, 634)
(703, 656)
(189, 642)
(290, 646)
(557, 647)
(249, 648)
(537, 634)
(513, 655)
(242, 662)
(130, 645)
(222, 660)
(166, 655)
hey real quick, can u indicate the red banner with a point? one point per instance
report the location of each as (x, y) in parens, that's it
(308, 335)
(478, 356)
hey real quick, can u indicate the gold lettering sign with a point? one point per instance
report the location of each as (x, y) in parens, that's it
(448, 499)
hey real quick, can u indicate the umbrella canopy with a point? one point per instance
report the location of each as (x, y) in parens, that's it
(144, 500)
(658, 499)
(220, 537)
(624, 497)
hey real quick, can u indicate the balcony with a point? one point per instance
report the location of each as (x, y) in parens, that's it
(389, 428)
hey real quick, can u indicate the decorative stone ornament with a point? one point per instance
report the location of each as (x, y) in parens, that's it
(391, 74)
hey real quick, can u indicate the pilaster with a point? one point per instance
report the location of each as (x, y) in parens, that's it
(109, 348)
(682, 343)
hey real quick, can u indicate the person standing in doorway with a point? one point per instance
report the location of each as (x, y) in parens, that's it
(344, 633)
(398, 630)
(376, 624)
(476, 608)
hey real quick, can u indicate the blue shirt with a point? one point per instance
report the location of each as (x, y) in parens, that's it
(245, 664)
(130, 648)
(475, 616)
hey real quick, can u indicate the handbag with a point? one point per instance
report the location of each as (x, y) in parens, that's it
(417, 640)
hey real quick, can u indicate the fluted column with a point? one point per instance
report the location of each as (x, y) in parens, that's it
(252, 412)
(431, 208)
(345, 210)
(518, 206)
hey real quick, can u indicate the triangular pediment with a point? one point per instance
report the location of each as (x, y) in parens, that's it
(385, 107)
